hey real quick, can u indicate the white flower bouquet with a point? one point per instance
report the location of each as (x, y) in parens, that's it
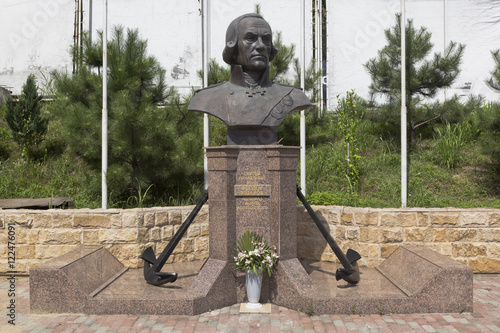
(253, 253)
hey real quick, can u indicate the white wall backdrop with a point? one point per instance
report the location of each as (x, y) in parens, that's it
(36, 35)
(356, 33)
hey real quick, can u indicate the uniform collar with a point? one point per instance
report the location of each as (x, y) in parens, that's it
(238, 79)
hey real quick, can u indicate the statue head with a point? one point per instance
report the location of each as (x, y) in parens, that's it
(249, 43)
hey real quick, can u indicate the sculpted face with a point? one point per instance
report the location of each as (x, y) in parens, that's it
(254, 44)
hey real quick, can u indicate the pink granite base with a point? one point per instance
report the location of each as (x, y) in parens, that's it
(63, 284)
(90, 280)
(251, 188)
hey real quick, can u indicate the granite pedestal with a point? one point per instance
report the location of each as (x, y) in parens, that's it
(252, 188)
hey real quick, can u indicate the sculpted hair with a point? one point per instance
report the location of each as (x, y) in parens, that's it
(232, 39)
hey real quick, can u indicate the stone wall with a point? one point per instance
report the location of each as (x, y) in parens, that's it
(470, 236)
(43, 235)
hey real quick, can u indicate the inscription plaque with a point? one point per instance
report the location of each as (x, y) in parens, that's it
(251, 177)
(252, 190)
(252, 204)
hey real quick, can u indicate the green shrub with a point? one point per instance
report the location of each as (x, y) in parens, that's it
(62, 177)
(25, 118)
(494, 80)
(348, 118)
(332, 198)
(5, 136)
(425, 75)
(449, 144)
(488, 119)
(450, 141)
(152, 137)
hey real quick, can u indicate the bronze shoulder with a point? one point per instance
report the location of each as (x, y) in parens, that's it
(288, 86)
(210, 87)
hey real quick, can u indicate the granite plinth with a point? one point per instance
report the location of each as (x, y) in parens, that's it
(63, 284)
(252, 188)
(413, 279)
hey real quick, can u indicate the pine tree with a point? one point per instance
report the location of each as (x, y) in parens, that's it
(491, 121)
(25, 119)
(145, 118)
(216, 73)
(281, 62)
(424, 76)
(311, 78)
(494, 80)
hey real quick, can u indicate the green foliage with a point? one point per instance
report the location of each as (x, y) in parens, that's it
(257, 9)
(138, 200)
(310, 309)
(321, 127)
(218, 132)
(468, 185)
(452, 110)
(216, 73)
(348, 118)
(145, 120)
(25, 118)
(472, 183)
(335, 198)
(488, 119)
(5, 135)
(61, 176)
(450, 141)
(254, 253)
(247, 241)
(494, 80)
(424, 77)
(312, 77)
(325, 166)
(281, 62)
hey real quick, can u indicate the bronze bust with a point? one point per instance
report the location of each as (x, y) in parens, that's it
(250, 104)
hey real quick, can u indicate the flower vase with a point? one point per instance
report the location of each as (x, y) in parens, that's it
(254, 286)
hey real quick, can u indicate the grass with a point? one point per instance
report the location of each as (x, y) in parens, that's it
(60, 177)
(467, 180)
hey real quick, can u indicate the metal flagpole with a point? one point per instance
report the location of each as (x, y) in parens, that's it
(445, 37)
(105, 107)
(404, 166)
(319, 23)
(90, 21)
(303, 86)
(206, 54)
(445, 10)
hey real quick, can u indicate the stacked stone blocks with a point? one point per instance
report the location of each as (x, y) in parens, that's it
(470, 236)
(43, 235)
